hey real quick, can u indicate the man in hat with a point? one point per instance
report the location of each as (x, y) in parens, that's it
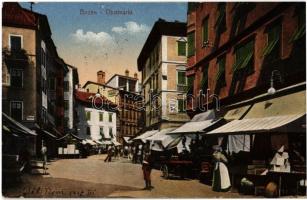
(280, 162)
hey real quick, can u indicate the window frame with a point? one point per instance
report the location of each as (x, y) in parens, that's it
(110, 117)
(192, 33)
(15, 35)
(206, 19)
(184, 107)
(16, 101)
(86, 115)
(11, 75)
(179, 53)
(177, 77)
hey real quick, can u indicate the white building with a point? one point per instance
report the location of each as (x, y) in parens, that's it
(94, 124)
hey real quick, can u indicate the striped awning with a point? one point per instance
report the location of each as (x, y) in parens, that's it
(145, 135)
(255, 125)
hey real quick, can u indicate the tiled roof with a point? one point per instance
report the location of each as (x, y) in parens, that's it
(14, 14)
(87, 97)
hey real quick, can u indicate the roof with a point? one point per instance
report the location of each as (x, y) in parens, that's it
(86, 97)
(122, 76)
(14, 14)
(161, 27)
(95, 83)
(254, 125)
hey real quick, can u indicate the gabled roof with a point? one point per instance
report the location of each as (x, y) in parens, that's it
(161, 27)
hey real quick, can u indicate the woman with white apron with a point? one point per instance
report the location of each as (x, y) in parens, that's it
(221, 180)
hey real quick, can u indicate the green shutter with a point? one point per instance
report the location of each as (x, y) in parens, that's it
(244, 55)
(204, 81)
(301, 29)
(221, 20)
(181, 106)
(205, 30)
(273, 39)
(221, 71)
(190, 84)
(181, 48)
(191, 44)
(181, 78)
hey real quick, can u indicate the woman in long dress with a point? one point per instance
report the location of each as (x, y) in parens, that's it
(221, 180)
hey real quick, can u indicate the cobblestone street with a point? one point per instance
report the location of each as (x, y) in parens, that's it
(92, 177)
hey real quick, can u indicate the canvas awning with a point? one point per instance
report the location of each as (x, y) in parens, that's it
(159, 136)
(116, 143)
(236, 113)
(198, 123)
(145, 135)
(255, 125)
(11, 123)
(49, 134)
(127, 140)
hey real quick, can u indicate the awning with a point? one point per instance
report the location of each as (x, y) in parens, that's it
(88, 141)
(127, 140)
(255, 125)
(198, 123)
(159, 136)
(292, 104)
(116, 143)
(10, 122)
(49, 134)
(145, 135)
(236, 113)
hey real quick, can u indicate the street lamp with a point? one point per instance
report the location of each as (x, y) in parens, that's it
(272, 90)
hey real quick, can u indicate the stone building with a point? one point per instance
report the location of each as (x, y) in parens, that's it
(162, 62)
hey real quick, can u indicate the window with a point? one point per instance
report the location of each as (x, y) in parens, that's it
(43, 58)
(244, 54)
(15, 42)
(181, 105)
(190, 84)
(52, 84)
(301, 24)
(101, 132)
(204, 81)
(66, 104)
(88, 130)
(241, 10)
(205, 32)
(88, 115)
(16, 109)
(17, 78)
(66, 86)
(101, 117)
(220, 24)
(272, 50)
(181, 80)
(5, 76)
(110, 117)
(220, 76)
(181, 48)
(111, 132)
(191, 44)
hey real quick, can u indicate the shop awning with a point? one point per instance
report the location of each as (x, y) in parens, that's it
(145, 135)
(256, 125)
(159, 136)
(11, 123)
(49, 134)
(127, 140)
(116, 143)
(236, 113)
(198, 123)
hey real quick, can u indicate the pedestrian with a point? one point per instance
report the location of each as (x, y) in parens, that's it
(147, 166)
(280, 162)
(109, 154)
(44, 157)
(130, 153)
(140, 154)
(221, 180)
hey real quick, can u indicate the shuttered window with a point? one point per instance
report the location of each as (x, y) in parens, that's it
(191, 44)
(181, 48)
(244, 55)
(205, 30)
(273, 47)
(204, 81)
(300, 31)
(190, 84)
(220, 76)
(220, 24)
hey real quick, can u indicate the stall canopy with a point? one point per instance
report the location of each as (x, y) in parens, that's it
(198, 123)
(145, 135)
(15, 126)
(116, 143)
(49, 134)
(127, 140)
(161, 135)
(269, 115)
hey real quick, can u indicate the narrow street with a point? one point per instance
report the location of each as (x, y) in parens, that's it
(92, 177)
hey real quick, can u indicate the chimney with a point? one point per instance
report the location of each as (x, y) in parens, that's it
(127, 72)
(101, 76)
(136, 75)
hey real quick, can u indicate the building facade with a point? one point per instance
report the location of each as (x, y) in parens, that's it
(95, 123)
(237, 50)
(162, 62)
(71, 80)
(30, 67)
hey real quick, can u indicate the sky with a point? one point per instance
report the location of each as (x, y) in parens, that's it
(91, 38)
